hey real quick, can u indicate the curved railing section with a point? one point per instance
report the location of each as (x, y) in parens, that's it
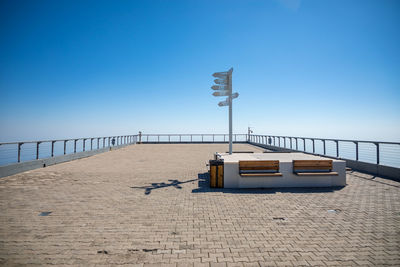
(373, 152)
(15, 152)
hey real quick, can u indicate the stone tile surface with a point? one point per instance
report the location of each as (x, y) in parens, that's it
(150, 205)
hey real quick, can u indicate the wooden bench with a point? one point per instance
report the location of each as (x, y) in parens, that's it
(257, 168)
(313, 167)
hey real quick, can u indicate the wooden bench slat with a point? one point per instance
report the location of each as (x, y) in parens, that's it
(261, 174)
(243, 163)
(316, 173)
(317, 163)
(312, 160)
(313, 167)
(259, 168)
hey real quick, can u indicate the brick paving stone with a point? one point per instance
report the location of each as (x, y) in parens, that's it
(150, 205)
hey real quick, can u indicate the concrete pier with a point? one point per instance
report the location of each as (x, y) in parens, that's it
(148, 205)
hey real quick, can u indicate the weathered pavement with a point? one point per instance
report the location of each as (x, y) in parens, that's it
(151, 204)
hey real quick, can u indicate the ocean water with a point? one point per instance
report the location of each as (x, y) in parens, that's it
(389, 153)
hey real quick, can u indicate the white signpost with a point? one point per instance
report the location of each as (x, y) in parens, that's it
(223, 87)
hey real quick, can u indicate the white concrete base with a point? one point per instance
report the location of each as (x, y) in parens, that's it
(232, 179)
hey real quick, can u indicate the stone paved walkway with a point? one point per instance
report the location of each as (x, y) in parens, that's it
(151, 204)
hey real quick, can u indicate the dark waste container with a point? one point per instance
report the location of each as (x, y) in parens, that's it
(217, 173)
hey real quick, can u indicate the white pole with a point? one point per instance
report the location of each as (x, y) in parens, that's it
(230, 112)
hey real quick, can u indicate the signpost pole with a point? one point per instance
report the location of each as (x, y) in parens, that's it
(230, 112)
(223, 87)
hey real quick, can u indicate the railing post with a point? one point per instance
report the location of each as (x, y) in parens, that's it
(52, 148)
(304, 144)
(323, 141)
(19, 151)
(98, 143)
(274, 140)
(279, 141)
(377, 153)
(83, 146)
(337, 148)
(202, 139)
(213, 138)
(297, 144)
(284, 142)
(158, 138)
(313, 146)
(65, 147)
(91, 143)
(356, 150)
(169, 138)
(75, 146)
(180, 138)
(37, 150)
(104, 142)
(191, 138)
(290, 138)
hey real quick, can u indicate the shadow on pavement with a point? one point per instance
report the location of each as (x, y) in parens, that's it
(153, 186)
(204, 187)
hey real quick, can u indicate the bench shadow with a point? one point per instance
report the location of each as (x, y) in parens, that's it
(204, 187)
(172, 183)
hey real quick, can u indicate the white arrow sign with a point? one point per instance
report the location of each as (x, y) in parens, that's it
(235, 95)
(219, 87)
(220, 81)
(221, 93)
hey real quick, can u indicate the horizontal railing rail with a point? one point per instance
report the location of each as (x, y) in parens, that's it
(376, 152)
(15, 152)
(191, 138)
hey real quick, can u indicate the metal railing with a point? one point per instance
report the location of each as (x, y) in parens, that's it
(191, 138)
(14, 152)
(375, 152)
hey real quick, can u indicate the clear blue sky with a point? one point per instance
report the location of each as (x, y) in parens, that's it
(303, 68)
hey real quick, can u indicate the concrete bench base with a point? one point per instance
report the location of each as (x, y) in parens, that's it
(232, 178)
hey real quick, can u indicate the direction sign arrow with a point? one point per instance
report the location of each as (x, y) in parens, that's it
(219, 87)
(235, 95)
(221, 93)
(220, 81)
(223, 103)
(220, 74)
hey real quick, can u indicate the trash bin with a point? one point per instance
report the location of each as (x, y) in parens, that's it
(217, 173)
